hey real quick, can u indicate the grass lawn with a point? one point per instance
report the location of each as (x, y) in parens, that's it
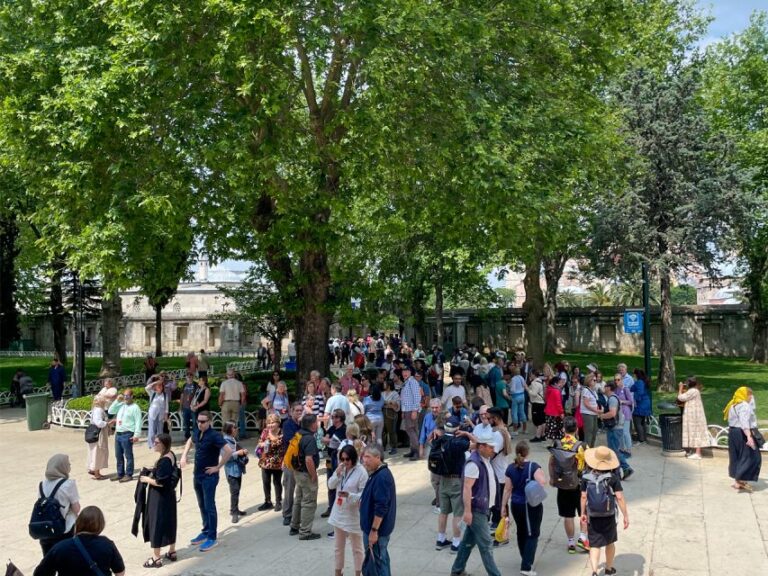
(37, 368)
(720, 377)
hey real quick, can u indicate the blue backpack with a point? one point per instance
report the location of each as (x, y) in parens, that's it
(601, 499)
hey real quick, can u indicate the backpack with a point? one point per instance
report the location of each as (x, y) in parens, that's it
(359, 360)
(564, 466)
(601, 500)
(611, 423)
(441, 457)
(291, 458)
(46, 520)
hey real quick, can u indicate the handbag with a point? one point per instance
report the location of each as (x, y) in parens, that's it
(92, 434)
(535, 493)
(91, 564)
(758, 437)
(371, 561)
(11, 570)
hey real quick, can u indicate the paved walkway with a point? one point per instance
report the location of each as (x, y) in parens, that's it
(685, 520)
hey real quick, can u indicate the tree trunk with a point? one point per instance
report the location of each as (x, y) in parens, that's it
(760, 338)
(56, 303)
(533, 307)
(757, 271)
(313, 325)
(158, 331)
(667, 349)
(439, 310)
(9, 250)
(75, 359)
(111, 315)
(553, 271)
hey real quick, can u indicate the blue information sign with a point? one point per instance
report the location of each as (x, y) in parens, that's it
(633, 322)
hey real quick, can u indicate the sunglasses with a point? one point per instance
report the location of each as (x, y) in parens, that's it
(343, 459)
(202, 421)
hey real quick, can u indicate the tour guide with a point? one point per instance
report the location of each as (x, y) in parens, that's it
(378, 508)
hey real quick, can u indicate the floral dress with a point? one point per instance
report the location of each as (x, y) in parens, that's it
(695, 431)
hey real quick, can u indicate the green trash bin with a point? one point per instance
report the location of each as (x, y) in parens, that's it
(37, 410)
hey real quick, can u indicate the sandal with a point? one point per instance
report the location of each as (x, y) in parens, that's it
(153, 563)
(171, 556)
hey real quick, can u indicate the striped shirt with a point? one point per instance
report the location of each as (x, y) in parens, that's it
(410, 396)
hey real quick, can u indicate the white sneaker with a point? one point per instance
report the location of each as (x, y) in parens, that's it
(693, 456)
(435, 509)
(528, 572)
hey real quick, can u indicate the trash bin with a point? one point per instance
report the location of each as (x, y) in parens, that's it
(37, 410)
(290, 365)
(671, 432)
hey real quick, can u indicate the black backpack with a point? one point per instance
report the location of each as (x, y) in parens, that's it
(442, 457)
(47, 521)
(564, 466)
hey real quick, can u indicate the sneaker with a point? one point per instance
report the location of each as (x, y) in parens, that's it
(310, 536)
(278, 506)
(331, 535)
(125, 479)
(235, 518)
(414, 458)
(583, 544)
(434, 501)
(528, 572)
(537, 439)
(199, 539)
(435, 509)
(454, 549)
(293, 532)
(326, 513)
(610, 571)
(392, 451)
(241, 513)
(693, 456)
(627, 473)
(115, 478)
(208, 544)
(496, 543)
(571, 549)
(286, 520)
(265, 506)
(444, 544)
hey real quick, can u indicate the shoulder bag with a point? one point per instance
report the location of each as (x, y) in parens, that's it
(535, 493)
(91, 564)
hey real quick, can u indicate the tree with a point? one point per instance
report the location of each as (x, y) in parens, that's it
(683, 295)
(674, 211)
(735, 98)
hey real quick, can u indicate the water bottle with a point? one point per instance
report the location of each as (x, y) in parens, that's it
(266, 445)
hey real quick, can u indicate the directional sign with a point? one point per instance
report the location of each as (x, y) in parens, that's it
(633, 322)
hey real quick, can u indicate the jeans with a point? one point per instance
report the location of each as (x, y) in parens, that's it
(155, 426)
(476, 534)
(517, 408)
(614, 436)
(641, 427)
(381, 554)
(205, 490)
(188, 422)
(378, 431)
(289, 486)
(527, 541)
(304, 503)
(124, 453)
(626, 438)
(234, 493)
(241, 421)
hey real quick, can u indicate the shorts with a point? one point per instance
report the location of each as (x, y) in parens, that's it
(568, 503)
(450, 496)
(537, 414)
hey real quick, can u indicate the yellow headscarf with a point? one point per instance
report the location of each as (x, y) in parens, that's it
(741, 395)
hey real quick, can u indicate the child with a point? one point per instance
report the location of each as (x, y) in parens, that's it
(234, 469)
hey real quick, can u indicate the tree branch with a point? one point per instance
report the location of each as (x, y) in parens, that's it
(349, 85)
(308, 83)
(334, 76)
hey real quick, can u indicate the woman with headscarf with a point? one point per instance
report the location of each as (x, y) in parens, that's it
(744, 459)
(98, 452)
(57, 474)
(695, 432)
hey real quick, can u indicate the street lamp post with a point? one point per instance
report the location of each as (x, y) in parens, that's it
(647, 321)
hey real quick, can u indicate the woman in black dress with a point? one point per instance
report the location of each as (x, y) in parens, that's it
(160, 515)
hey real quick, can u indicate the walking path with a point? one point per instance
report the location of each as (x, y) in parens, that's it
(685, 520)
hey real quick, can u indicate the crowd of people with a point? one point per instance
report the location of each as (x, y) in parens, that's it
(462, 427)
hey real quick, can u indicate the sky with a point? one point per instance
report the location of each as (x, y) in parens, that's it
(730, 16)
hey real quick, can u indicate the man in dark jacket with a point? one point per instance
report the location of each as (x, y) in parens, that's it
(378, 507)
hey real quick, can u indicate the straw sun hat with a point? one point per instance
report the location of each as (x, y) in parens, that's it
(601, 458)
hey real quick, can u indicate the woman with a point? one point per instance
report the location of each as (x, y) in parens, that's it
(744, 459)
(481, 389)
(365, 386)
(553, 408)
(536, 393)
(601, 530)
(200, 403)
(642, 394)
(160, 519)
(98, 452)
(272, 450)
(234, 469)
(157, 413)
(575, 403)
(589, 410)
(695, 432)
(313, 400)
(374, 410)
(527, 518)
(57, 477)
(367, 434)
(274, 382)
(517, 400)
(355, 405)
(627, 402)
(66, 559)
(391, 410)
(278, 403)
(502, 396)
(348, 481)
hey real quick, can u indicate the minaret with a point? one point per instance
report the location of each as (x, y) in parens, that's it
(202, 271)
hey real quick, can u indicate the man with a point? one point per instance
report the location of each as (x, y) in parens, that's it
(187, 394)
(202, 365)
(430, 431)
(191, 364)
(337, 401)
(292, 351)
(291, 426)
(262, 356)
(231, 395)
(614, 427)
(450, 489)
(378, 509)
(127, 432)
(626, 378)
(211, 454)
(348, 381)
(569, 498)
(478, 493)
(426, 395)
(410, 406)
(56, 378)
(455, 388)
(305, 499)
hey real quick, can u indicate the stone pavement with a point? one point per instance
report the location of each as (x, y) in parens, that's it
(685, 520)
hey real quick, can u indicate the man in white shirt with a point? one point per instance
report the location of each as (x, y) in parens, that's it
(336, 401)
(292, 351)
(231, 395)
(455, 388)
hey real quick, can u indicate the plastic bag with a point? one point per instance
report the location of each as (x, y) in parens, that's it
(502, 530)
